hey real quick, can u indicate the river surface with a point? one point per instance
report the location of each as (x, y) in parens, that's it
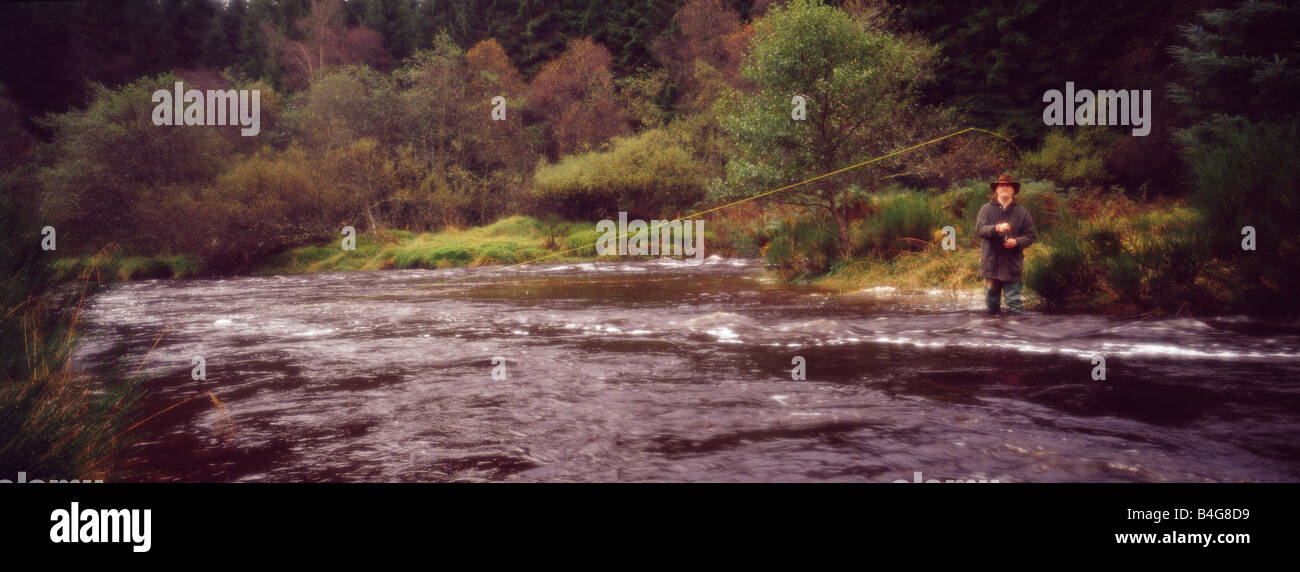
(667, 370)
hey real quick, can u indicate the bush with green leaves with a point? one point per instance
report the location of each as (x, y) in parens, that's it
(348, 104)
(906, 220)
(802, 248)
(102, 157)
(1251, 178)
(262, 204)
(647, 175)
(862, 89)
(1074, 159)
(1067, 274)
(1159, 260)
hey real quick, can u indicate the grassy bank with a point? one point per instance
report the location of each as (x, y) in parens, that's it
(507, 241)
(1097, 251)
(908, 272)
(120, 268)
(1101, 252)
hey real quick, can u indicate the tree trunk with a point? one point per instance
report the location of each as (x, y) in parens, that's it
(842, 228)
(840, 214)
(370, 216)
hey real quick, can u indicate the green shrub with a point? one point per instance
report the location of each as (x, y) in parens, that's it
(1077, 159)
(646, 175)
(907, 220)
(965, 199)
(582, 240)
(802, 248)
(1043, 202)
(1248, 175)
(1065, 275)
(1173, 266)
(261, 205)
(1156, 264)
(101, 157)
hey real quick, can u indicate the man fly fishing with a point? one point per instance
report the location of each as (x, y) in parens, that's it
(1006, 230)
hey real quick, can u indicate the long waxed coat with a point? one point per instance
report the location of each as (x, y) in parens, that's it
(997, 261)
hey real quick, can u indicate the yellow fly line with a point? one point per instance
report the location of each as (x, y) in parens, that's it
(737, 202)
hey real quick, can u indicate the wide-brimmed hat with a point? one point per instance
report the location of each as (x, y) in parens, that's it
(1005, 180)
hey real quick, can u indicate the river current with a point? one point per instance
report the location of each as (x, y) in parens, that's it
(669, 370)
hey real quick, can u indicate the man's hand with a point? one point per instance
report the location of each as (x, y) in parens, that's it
(1003, 227)
(1010, 243)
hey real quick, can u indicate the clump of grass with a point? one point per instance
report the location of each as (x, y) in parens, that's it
(54, 422)
(1065, 274)
(919, 270)
(582, 242)
(802, 248)
(1153, 259)
(905, 221)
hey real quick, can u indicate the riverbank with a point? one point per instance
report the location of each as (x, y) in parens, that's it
(508, 241)
(56, 422)
(1102, 253)
(511, 240)
(1099, 253)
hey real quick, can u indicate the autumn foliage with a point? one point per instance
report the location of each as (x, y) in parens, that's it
(324, 41)
(573, 96)
(708, 32)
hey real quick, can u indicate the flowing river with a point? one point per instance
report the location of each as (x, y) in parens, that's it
(668, 370)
